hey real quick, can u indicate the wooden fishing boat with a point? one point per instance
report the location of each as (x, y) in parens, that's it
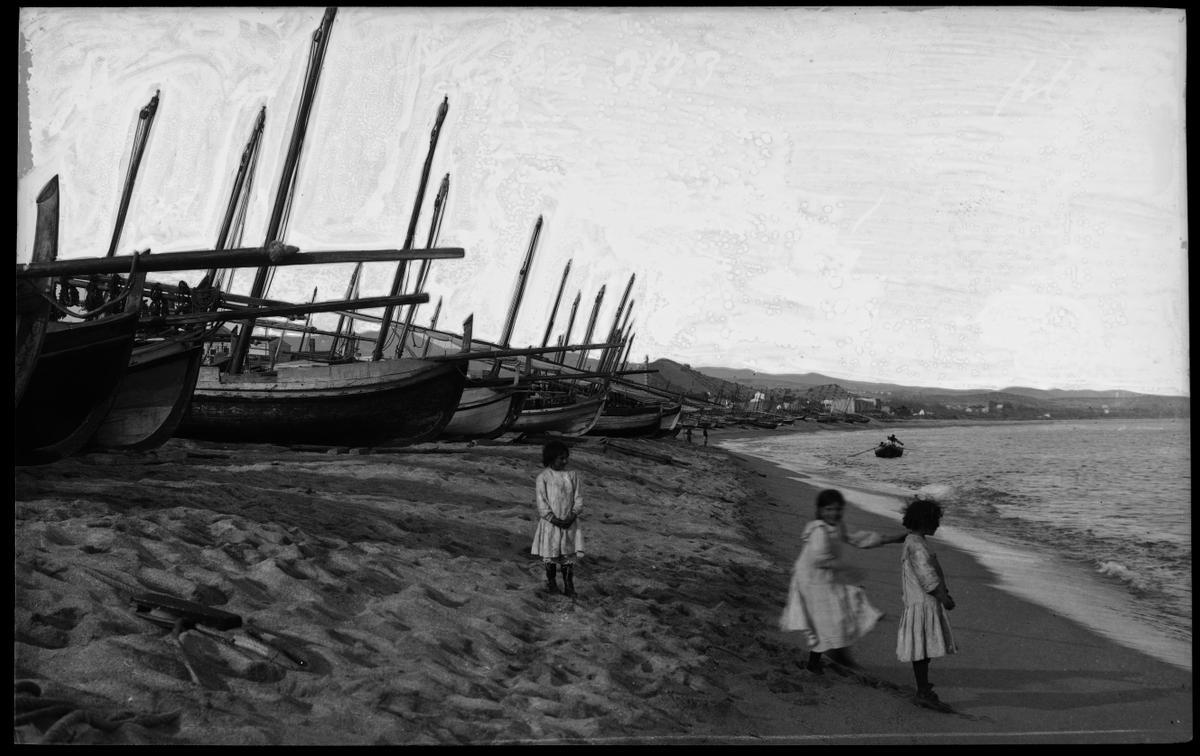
(484, 412)
(72, 386)
(628, 421)
(668, 423)
(359, 403)
(888, 450)
(388, 402)
(33, 295)
(491, 404)
(152, 396)
(558, 415)
(68, 388)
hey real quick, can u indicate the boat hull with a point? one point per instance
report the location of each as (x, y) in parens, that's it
(33, 307)
(888, 452)
(672, 416)
(72, 386)
(386, 402)
(152, 397)
(484, 412)
(624, 422)
(574, 419)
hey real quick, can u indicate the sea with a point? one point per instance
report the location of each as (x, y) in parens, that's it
(1091, 519)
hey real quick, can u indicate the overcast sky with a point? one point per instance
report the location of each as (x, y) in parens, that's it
(959, 197)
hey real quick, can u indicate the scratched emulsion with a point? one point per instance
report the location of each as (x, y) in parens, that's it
(954, 196)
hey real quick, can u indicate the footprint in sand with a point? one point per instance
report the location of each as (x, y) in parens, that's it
(40, 634)
(442, 598)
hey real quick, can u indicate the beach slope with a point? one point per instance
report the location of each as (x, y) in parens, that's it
(400, 584)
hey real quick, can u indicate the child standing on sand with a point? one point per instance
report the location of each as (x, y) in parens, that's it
(924, 631)
(823, 601)
(559, 499)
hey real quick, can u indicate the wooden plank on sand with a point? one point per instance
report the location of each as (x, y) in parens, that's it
(661, 458)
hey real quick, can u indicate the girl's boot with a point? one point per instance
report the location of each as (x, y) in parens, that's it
(551, 583)
(814, 663)
(569, 579)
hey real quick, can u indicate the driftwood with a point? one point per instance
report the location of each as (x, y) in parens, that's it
(661, 458)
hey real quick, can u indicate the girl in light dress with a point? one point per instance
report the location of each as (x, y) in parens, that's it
(924, 631)
(558, 496)
(824, 602)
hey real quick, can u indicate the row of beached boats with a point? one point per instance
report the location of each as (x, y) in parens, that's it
(131, 363)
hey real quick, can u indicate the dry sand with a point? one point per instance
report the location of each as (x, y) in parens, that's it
(404, 580)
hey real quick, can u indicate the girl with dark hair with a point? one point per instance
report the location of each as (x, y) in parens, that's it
(824, 602)
(924, 631)
(559, 499)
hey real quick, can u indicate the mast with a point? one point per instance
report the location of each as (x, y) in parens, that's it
(239, 197)
(566, 338)
(587, 339)
(141, 136)
(518, 293)
(287, 178)
(629, 348)
(435, 228)
(437, 310)
(307, 324)
(557, 299)
(344, 322)
(398, 278)
(615, 353)
(614, 332)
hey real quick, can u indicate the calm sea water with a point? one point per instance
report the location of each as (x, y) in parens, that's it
(1092, 519)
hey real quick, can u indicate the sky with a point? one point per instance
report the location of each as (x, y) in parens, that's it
(955, 197)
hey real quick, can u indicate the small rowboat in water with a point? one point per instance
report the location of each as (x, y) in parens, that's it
(887, 451)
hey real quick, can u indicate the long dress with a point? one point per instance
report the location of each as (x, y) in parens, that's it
(822, 604)
(924, 631)
(557, 493)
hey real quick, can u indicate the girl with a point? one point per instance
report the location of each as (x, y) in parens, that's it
(558, 539)
(924, 631)
(823, 602)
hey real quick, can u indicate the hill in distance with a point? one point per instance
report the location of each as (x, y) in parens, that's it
(727, 383)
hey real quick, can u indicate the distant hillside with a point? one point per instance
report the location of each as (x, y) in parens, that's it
(1013, 402)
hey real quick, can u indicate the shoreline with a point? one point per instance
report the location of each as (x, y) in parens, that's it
(406, 576)
(1025, 669)
(1024, 572)
(1053, 671)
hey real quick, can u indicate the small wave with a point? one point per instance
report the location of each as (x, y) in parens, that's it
(937, 491)
(1119, 571)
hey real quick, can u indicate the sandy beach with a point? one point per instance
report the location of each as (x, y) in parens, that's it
(402, 585)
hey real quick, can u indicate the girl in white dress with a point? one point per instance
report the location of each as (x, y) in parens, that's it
(824, 603)
(924, 631)
(559, 499)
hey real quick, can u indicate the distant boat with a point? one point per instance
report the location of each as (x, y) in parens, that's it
(888, 450)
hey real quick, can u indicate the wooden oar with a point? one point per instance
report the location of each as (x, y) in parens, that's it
(864, 451)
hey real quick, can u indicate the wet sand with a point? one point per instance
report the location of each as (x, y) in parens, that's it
(403, 581)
